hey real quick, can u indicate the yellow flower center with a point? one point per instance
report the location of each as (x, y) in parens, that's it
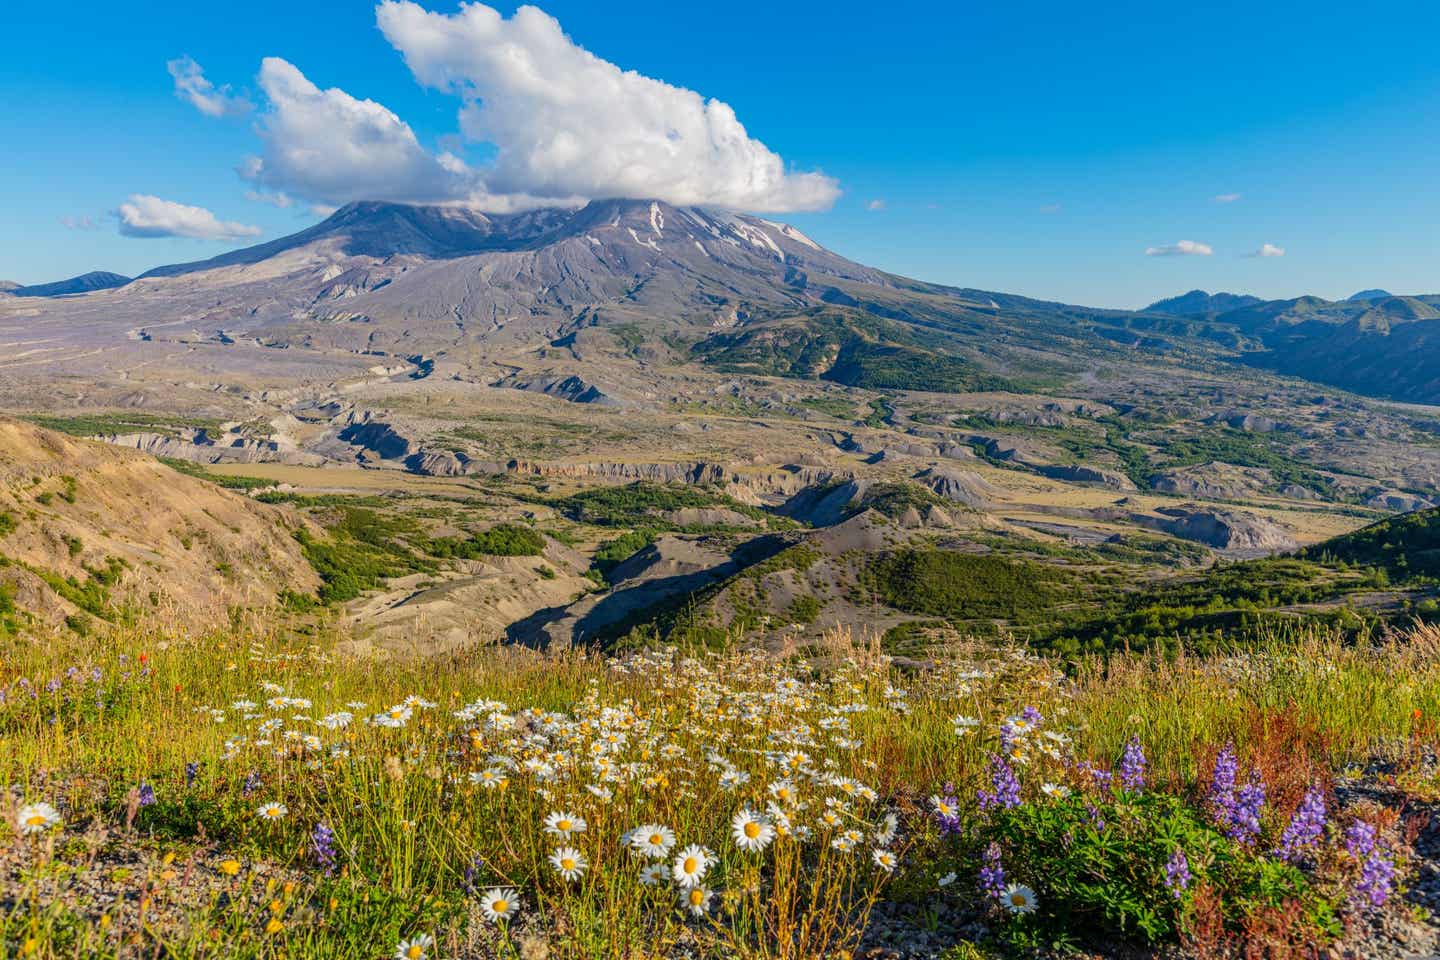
(567, 863)
(656, 839)
(562, 825)
(1018, 899)
(414, 952)
(690, 865)
(697, 897)
(752, 829)
(36, 820)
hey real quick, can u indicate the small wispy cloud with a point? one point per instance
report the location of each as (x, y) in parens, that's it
(1226, 197)
(1184, 248)
(1051, 208)
(876, 204)
(79, 223)
(147, 216)
(1267, 250)
(192, 87)
(278, 198)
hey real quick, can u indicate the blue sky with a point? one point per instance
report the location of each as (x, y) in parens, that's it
(1031, 147)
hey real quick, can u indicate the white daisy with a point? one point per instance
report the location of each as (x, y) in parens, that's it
(500, 904)
(563, 824)
(1019, 898)
(751, 831)
(416, 948)
(696, 900)
(943, 808)
(691, 865)
(36, 818)
(569, 863)
(272, 811)
(652, 840)
(884, 859)
(1055, 791)
(655, 875)
(489, 778)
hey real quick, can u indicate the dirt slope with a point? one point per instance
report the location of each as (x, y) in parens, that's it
(99, 535)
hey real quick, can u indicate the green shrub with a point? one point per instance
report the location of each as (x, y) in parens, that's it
(501, 540)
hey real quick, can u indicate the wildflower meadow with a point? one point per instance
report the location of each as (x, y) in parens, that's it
(241, 796)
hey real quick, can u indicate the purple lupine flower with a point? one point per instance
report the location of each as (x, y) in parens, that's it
(1305, 827)
(1004, 791)
(1097, 777)
(1222, 785)
(992, 872)
(1033, 715)
(1376, 880)
(1177, 874)
(1097, 819)
(1360, 839)
(322, 847)
(472, 873)
(192, 770)
(251, 784)
(1245, 816)
(147, 795)
(1132, 765)
(51, 686)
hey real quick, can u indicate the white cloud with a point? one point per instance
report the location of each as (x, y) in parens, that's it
(875, 205)
(1051, 208)
(565, 123)
(1226, 197)
(1185, 248)
(332, 148)
(192, 87)
(147, 216)
(279, 198)
(1268, 250)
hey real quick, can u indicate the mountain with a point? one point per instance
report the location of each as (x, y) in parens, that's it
(85, 283)
(7, 285)
(1199, 303)
(1374, 294)
(567, 302)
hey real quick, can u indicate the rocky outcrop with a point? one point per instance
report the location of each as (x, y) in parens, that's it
(1079, 473)
(1214, 481)
(563, 387)
(198, 446)
(1398, 501)
(961, 486)
(710, 517)
(1230, 530)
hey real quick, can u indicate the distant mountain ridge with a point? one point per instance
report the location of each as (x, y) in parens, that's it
(85, 283)
(1374, 294)
(1198, 302)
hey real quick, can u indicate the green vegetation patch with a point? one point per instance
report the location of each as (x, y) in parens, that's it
(966, 587)
(191, 469)
(100, 424)
(501, 540)
(644, 504)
